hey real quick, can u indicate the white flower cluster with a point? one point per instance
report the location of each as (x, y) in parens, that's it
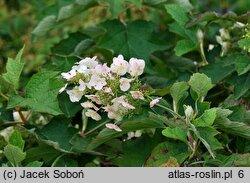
(115, 89)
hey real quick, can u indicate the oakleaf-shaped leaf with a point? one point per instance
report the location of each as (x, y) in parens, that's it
(132, 40)
(41, 94)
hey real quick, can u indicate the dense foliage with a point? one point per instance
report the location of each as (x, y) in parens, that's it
(125, 83)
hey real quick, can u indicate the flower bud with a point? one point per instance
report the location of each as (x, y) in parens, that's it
(189, 112)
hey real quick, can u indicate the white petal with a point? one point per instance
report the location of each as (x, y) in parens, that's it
(63, 88)
(124, 84)
(113, 127)
(155, 101)
(75, 94)
(93, 114)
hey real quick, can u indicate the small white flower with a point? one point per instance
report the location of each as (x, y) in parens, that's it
(137, 95)
(119, 65)
(82, 85)
(94, 98)
(102, 69)
(108, 90)
(63, 88)
(125, 84)
(81, 69)
(136, 66)
(89, 62)
(93, 114)
(97, 82)
(89, 105)
(113, 127)
(155, 101)
(69, 75)
(210, 47)
(121, 100)
(113, 112)
(75, 94)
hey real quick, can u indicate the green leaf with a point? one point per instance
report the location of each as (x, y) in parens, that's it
(137, 3)
(164, 151)
(14, 154)
(232, 127)
(207, 119)
(16, 140)
(241, 84)
(127, 125)
(200, 83)
(184, 46)
(67, 46)
(5, 86)
(116, 7)
(178, 91)
(211, 16)
(175, 133)
(178, 13)
(65, 161)
(245, 44)
(132, 40)
(45, 25)
(218, 70)
(134, 153)
(42, 152)
(208, 133)
(154, 2)
(14, 69)
(41, 93)
(34, 164)
(58, 131)
(67, 107)
(74, 8)
(242, 64)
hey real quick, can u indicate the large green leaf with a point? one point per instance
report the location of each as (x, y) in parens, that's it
(41, 94)
(164, 151)
(132, 40)
(14, 68)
